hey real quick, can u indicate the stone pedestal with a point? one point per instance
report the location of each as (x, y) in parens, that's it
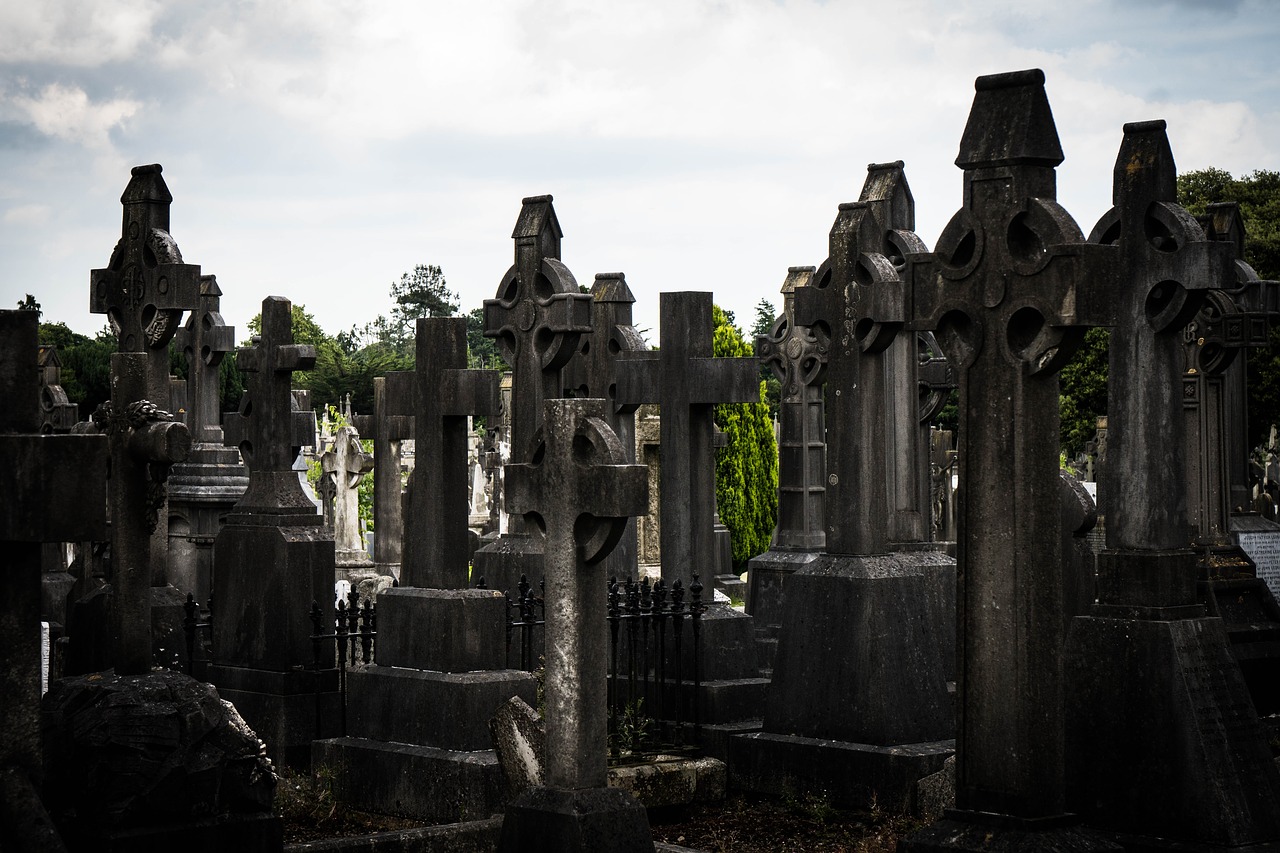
(595, 820)
(1178, 684)
(202, 490)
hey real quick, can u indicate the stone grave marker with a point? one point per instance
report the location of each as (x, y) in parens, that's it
(1008, 290)
(797, 358)
(862, 646)
(537, 319)
(387, 432)
(55, 488)
(345, 464)
(593, 372)
(203, 488)
(578, 489)
(273, 557)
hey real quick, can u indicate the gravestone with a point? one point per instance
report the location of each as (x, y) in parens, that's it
(387, 431)
(649, 527)
(858, 705)
(344, 465)
(57, 415)
(143, 290)
(57, 412)
(593, 372)
(55, 488)
(1009, 290)
(686, 382)
(417, 738)
(796, 357)
(579, 489)
(202, 489)
(273, 557)
(1170, 698)
(537, 320)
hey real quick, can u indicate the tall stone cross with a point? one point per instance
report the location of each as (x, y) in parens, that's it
(686, 383)
(55, 491)
(579, 489)
(386, 431)
(204, 341)
(593, 372)
(145, 286)
(268, 429)
(1148, 625)
(345, 465)
(798, 359)
(871, 398)
(440, 394)
(1010, 289)
(536, 319)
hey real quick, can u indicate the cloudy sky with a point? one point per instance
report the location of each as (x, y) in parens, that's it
(319, 150)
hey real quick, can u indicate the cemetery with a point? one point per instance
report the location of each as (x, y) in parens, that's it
(499, 610)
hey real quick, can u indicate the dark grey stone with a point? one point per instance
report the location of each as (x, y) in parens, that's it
(537, 319)
(456, 630)
(386, 430)
(519, 739)
(440, 394)
(445, 710)
(594, 820)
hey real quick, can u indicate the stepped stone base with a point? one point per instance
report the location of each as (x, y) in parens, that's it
(767, 576)
(422, 782)
(854, 775)
(595, 820)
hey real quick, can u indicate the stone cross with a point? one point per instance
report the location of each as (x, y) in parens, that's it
(345, 465)
(440, 394)
(145, 286)
(798, 359)
(1230, 321)
(579, 491)
(55, 491)
(204, 340)
(536, 318)
(686, 383)
(593, 372)
(386, 431)
(268, 429)
(1010, 289)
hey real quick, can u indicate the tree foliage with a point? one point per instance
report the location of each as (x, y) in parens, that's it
(86, 364)
(1083, 393)
(747, 468)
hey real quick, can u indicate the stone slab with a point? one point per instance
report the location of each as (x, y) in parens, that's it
(1260, 539)
(477, 836)
(593, 820)
(285, 721)
(854, 775)
(766, 581)
(448, 630)
(437, 785)
(672, 782)
(445, 710)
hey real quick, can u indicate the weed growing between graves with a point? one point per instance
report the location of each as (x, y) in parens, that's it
(311, 813)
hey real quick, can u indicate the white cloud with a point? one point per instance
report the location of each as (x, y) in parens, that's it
(26, 214)
(67, 113)
(83, 33)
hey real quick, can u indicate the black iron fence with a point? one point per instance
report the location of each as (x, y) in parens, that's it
(352, 626)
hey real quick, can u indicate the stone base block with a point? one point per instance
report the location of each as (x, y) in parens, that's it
(596, 820)
(853, 775)
(282, 707)
(1171, 702)
(502, 561)
(966, 831)
(861, 652)
(730, 700)
(672, 781)
(241, 833)
(732, 586)
(435, 785)
(446, 710)
(713, 739)
(447, 630)
(767, 576)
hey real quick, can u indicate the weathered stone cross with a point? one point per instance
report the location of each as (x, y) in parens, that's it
(798, 359)
(686, 383)
(55, 491)
(345, 465)
(1010, 289)
(386, 431)
(440, 393)
(204, 340)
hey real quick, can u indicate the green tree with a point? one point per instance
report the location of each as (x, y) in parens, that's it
(747, 468)
(1083, 392)
(766, 316)
(481, 351)
(1258, 195)
(86, 364)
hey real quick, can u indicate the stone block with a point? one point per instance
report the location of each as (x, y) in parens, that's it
(853, 775)
(767, 575)
(672, 781)
(423, 782)
(446, 710)
(282, 708)
(447, 630)
(594, 820)
(519, 739)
